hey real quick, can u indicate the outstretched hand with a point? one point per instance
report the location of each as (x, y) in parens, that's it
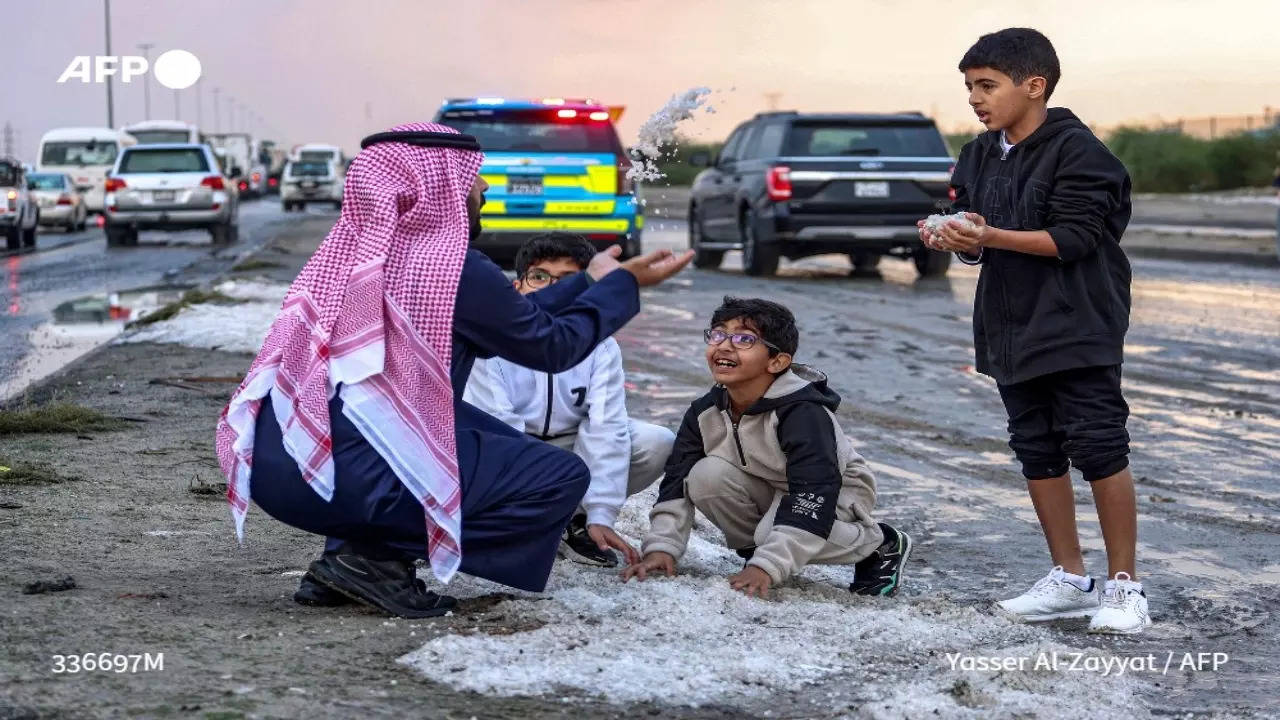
(649, 269)
(655, 267)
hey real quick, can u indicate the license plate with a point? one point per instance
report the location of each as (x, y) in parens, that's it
(308, 185)
(46, 202)
(879, 189)
(162, 196)
(524, 185)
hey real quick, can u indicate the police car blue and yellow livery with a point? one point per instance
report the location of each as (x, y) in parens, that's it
(552, 165)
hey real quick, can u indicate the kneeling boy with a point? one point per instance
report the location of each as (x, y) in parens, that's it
(582, 410)
(762, 456)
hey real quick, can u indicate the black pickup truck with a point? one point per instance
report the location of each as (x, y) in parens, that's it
(787, 184)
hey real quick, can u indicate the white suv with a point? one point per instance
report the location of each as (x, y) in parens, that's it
(19, 214)
(310, 181)
(170, 186)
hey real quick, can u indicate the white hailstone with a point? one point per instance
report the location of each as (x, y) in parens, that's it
(934, 223)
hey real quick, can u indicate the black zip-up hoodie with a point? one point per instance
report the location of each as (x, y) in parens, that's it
(1037, 315)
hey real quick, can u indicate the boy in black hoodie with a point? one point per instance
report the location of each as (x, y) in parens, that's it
(1047, 204)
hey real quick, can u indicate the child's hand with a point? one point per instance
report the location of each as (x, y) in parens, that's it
(955, 237)
(652, 563)
(604, 537)
(751, 581)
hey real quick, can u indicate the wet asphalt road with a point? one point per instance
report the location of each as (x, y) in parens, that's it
(1202, 378)
(69, 266)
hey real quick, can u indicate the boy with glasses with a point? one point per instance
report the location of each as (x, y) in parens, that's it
(582, 409)
(763, 457)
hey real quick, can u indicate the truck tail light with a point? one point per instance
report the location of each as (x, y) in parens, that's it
(778, 183)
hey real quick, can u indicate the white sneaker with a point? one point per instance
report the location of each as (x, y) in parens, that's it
(1052, 598)
(1124, 608)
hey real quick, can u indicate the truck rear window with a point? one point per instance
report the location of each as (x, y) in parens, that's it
(163, 161)
(151, 137)
(74, 152)
(536, 131)
(317, 155)
(303, 168)
(859, 140)
(8, 175)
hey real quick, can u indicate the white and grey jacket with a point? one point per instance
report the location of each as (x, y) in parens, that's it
(588, 400)
(790, 439)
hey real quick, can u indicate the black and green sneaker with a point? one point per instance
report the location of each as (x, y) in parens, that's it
(881, 572)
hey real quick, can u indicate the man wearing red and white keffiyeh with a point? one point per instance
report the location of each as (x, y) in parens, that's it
(350, 423)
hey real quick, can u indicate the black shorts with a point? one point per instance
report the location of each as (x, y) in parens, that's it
(1069, 418)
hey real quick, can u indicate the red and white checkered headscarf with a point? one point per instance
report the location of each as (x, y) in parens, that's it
(371, 311)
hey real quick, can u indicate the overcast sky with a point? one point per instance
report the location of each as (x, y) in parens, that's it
(333, 70)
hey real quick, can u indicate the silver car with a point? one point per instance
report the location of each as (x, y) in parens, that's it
(19, 214)
(61, 202)
(170, 186)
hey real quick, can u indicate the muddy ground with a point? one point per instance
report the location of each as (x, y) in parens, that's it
(158, 570)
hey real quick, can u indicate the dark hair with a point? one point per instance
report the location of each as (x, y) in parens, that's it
(548, 246)
(775, 322)
(1020, 53)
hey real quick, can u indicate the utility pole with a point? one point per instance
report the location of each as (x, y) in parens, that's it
(111, 113)
(199, 114)
(8, 139)
(771, 99)
(146, 79)
(177, 109)
(217, 116)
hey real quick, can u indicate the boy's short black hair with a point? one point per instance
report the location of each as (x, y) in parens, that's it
(775, 322)
(554, 245)
(1020, 53)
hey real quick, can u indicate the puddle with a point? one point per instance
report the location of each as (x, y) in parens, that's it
(80, 325)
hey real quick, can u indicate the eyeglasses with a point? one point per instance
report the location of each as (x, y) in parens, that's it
(539, 278)
(740, 341)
